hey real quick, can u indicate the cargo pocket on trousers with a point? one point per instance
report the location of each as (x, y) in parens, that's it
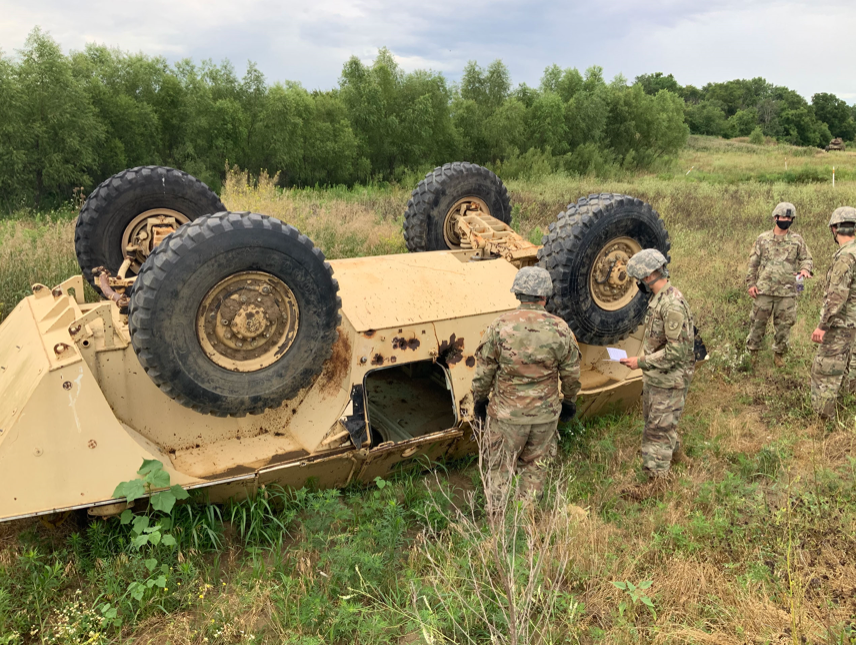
(831, 365)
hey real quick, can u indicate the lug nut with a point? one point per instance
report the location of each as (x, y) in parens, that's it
(224, 322)
(239, 344)
(265, 290)
(228, 334)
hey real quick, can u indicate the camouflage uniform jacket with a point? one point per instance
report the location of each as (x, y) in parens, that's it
(774, 261)
(667, 359)
(520, 359)
(839, 304)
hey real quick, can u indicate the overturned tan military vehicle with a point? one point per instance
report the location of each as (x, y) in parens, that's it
(228, 348)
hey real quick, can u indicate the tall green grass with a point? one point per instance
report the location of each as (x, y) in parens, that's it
(751, 544)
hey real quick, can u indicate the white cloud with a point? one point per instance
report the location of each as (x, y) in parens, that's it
(788, 43)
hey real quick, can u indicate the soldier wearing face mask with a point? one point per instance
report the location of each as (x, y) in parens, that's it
(778, 257)
(836, 329)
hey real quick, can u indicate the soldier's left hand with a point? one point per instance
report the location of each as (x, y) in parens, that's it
(817, 335)
(805, 274)
(632, 362)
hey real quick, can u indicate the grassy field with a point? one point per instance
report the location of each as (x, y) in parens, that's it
(755, 541)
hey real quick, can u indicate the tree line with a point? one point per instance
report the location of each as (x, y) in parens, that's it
(740, 107)
(69, 121)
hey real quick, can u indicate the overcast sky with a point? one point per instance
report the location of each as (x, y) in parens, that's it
(807, 46)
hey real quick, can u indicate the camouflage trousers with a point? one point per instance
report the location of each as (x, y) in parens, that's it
(661, 408)
(512, 449)
(830, 368)
(783, 310)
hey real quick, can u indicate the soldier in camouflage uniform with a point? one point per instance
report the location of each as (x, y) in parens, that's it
(522, 356)
(777, 257)
(667, 360)
(836, 329)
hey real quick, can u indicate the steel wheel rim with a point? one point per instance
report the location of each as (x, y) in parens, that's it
(610, 285)
(450, 233)
(140, 224)
(247, 321)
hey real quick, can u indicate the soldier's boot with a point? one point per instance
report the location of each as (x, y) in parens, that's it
(656, 483)
(779, 360)
(680, 457)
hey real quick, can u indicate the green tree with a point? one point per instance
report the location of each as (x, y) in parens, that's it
(757, 136)
(488, 88)
(738, 94)
(593, 79)
(691, 94)
(331, 150)
(12, 151)
(705, 117)
(252, 96)
(566, 83)
(62, 130)
(797, 121)
(642, 128)
(477, 114)
(653, 83)
(836, 114)
(585, 117)
(743, 122)
(119, 87)
(546, 124)
(400, 120)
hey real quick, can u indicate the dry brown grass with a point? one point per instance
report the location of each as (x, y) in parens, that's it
(358, 225)
(780, 565)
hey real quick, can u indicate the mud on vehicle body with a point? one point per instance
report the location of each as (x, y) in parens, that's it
(232, 351)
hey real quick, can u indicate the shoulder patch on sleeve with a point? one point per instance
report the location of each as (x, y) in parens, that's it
(674, 324)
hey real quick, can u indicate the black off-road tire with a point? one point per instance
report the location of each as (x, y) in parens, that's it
(179, 273)
(112, 206)
(432, 198)
(570, 248)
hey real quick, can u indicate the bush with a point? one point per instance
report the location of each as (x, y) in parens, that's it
(757, 136)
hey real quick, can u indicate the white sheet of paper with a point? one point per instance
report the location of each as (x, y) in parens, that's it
(616, 354)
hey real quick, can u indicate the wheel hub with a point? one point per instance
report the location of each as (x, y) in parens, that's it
(611, 286)
(450, 230)
(247, 321)
(146, 231)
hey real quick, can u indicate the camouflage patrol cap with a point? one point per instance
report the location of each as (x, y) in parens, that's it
(785, 209)
(843, 214)
(533, 281)
(644, 263)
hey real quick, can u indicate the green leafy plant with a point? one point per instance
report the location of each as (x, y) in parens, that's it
(153, 477)
(757, 136)
(147, 533)
(636, 595)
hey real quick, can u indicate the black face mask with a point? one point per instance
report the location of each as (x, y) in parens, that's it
(643, 287)
(784, 224)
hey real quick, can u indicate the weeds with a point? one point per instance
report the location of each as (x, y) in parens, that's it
(753, 543)
(636, 595)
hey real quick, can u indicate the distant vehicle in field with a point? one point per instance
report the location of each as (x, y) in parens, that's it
(228, 348)
(836, 144)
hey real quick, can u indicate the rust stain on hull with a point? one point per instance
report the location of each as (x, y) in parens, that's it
(337, 366)
(452, 351)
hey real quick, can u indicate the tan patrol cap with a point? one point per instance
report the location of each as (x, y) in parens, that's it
(785, 209)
